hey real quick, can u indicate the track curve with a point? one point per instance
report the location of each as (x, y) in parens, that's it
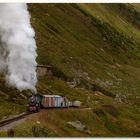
(13, 119)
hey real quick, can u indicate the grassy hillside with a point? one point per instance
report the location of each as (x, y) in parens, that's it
(94, 51)
(91, 44)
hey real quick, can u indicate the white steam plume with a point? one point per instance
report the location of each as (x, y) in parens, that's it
(17, 47)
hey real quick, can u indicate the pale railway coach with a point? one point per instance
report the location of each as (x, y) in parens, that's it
(54, 101)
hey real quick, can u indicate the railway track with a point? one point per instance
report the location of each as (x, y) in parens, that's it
(13, 119)
(24, 115)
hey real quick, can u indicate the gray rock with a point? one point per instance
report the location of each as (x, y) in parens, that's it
(79, 126)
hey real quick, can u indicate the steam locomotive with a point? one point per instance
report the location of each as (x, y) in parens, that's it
(37, 101)
(34, 103)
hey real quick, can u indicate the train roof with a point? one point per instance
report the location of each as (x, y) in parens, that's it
(51, 96)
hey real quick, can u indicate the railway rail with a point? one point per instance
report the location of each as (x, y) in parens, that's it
(13, 119)
(25, 114)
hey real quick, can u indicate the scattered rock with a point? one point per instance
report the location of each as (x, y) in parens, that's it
(97, 102)
(98, 93)
(74, 83)
(104, 39)
(88, 78)
(88, 97)
(79, 126)
(38, 122)
(47, 14)
(122, 43)
(85, 73)
(118, 65)
(137, 97)
(120, 98)
(104, 83)
(102, 49)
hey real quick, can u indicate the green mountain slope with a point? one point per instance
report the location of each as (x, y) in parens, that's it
(91, 43)
(94, 51)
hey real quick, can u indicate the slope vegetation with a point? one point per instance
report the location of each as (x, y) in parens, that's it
(94, 51)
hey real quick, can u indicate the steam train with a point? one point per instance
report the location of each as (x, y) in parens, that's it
(37, 101)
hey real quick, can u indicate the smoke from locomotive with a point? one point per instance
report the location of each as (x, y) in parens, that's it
(17, 47)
